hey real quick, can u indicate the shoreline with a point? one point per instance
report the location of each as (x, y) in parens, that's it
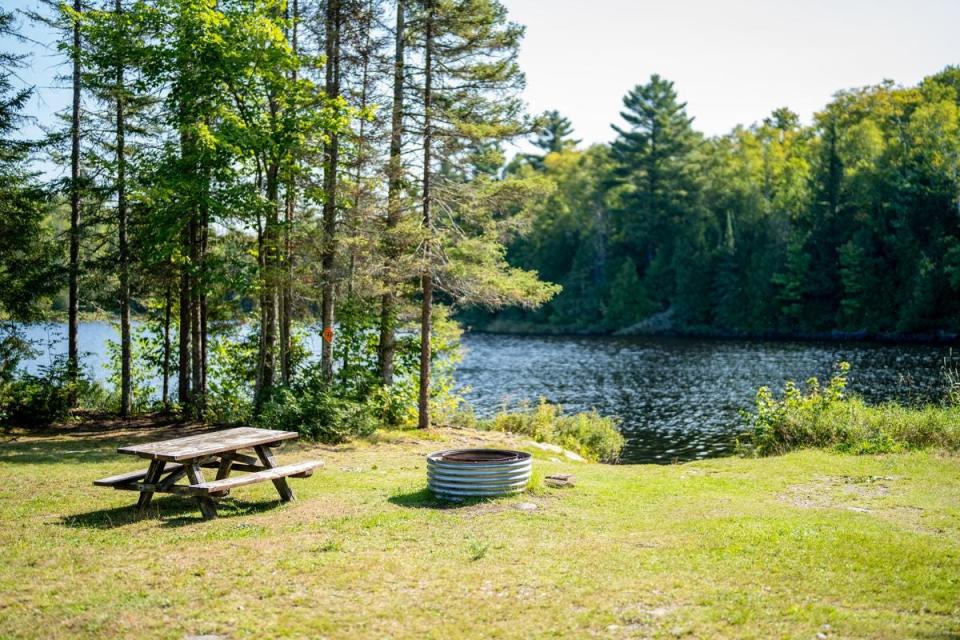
(853, 337)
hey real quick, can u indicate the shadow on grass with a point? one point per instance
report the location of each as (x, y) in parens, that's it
(174, 511)
(90, 441)
(423, 499)
(56, 452)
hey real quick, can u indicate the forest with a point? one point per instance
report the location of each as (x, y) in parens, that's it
(238, 175)
(848, 226)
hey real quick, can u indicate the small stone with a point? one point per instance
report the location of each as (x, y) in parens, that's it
(560, 480)
(545, 446)
(525, 506)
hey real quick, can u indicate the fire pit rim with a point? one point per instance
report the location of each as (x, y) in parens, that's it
(486, 456)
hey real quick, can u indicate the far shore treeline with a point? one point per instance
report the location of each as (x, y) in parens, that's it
(340, 166)
(849, 225)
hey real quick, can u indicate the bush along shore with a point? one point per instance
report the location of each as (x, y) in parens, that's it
(825, 416)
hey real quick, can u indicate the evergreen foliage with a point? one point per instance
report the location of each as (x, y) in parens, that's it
(849, 224)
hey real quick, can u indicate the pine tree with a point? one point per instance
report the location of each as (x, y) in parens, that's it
(107, 58)
(657, 170)
(387, 343)
(27, 253)
(470, 85)
(553, 135)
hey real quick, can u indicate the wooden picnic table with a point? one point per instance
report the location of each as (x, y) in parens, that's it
(171, 460)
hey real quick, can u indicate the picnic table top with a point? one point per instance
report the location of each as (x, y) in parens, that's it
(207, 444)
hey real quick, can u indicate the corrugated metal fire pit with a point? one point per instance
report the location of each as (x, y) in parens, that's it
(462, 473)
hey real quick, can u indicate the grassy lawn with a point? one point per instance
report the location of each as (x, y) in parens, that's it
(794, 546)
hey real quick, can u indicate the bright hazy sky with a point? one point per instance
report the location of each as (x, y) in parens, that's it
(732, 61)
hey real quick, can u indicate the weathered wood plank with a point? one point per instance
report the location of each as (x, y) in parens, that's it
(127, 478)
(249, 463)
(169, 481)
(223, 470)
(207, 506)
(207, 444)
(280, 483)
(299, 469)
(153, 475)
(178, 489)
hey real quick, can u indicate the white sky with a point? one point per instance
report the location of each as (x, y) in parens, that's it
(732, 61)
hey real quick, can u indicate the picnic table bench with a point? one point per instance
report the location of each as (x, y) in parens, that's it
(171, 460)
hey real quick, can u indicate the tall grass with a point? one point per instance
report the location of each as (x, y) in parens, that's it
(588, 434)
(828, 417)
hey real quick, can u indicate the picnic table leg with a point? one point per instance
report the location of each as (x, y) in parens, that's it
(207, 506)
(266, 458)
(226, 462)
(153, 476)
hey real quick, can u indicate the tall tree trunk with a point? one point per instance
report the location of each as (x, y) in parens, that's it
(426, 280)
(289, 214)
(204, 236)
(332, 152)
(286, 291)
(196, 398)
(167, 304)
(73, 295)
(183, 382)
(268, 297)
(126, 386)
(387, 346)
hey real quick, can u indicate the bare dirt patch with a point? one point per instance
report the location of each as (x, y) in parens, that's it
(856, 493)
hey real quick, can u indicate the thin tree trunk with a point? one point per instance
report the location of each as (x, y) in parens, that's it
(73, 295)
(286, 291)
(196, 373)
(361, 155)
(289, 214)
(386, 348)
(167, 304)
(268, 298)
(183, 383)
(426, 280)
(262, 270)
(332, 151)
(204, 235)
(126, 386)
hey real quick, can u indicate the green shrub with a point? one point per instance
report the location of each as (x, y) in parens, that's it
(141, 373)
(357, 377)
(589, 434)
(314, 410)
(232, 369)
(826, 417)
(38, 400)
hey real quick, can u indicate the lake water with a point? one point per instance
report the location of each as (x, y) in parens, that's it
(677, 399)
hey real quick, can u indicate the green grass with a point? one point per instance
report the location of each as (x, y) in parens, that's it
(737, 548)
